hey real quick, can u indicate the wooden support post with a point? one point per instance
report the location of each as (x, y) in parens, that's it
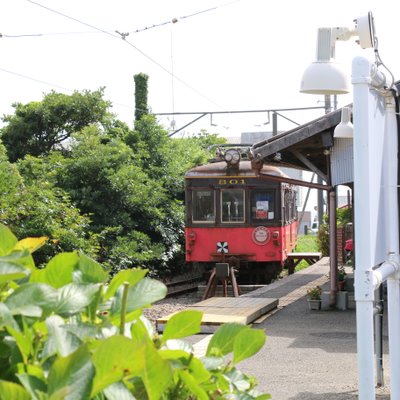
(223, 273)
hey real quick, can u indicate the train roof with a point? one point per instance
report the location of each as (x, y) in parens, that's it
(221, 169)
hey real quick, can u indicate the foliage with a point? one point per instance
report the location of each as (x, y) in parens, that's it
(105, 181)
(341, 273)
(323, 239)
(37, 127)
(141, 107)
(305, 244)
(112, 192)
(35, 207)
(344, 215)
(11, 184)
(314, 293)
(67, 334)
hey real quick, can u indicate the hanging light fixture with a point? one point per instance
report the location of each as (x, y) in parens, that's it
(345, 128)
(325, 76)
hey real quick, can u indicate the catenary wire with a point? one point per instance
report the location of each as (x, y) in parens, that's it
(57, 86)
(130, 44)
(171, 21)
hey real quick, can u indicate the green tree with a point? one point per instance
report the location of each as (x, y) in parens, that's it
(11, 185)
(32, 205)
(38, 127)
(103, 178)
(112, 191)
(141, 94)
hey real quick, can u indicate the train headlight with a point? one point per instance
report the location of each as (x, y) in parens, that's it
(232, 156)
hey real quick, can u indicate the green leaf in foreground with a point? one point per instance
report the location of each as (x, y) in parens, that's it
(7, 240)
(35, 386)
(118, 391)
(89, 271)
(58, 271)
(157, 373)
(192, 385)
(222, 341)
(115, 358)
(10, 272)
(71, 377)
(132, 276)
(182, 324)
(60, 340)
(144, 293)
(247, 343)
(73, 298)
(11, 390)
(31, 296)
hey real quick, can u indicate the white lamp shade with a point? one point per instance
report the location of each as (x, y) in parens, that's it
(345, 128)
(324, 77)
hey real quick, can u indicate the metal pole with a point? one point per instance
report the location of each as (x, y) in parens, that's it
(305, 203)
(274, 124)
(332, 247)
(378, 317)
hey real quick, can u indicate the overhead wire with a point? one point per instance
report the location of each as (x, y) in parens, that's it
(174, 20)
(56, 86)
(35, 80)
(146, 28)
(46, 34)
(123, 36)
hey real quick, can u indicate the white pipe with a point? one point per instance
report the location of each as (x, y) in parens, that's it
(385, 271)
(393, 246)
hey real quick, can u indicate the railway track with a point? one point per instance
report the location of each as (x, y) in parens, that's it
(182, 285)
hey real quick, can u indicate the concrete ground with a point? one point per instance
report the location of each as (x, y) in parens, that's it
(308, 355)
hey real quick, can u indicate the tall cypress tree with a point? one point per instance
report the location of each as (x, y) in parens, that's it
(141, 91)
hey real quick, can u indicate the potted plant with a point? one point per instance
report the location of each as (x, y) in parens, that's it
(314, 298)
(341, 278)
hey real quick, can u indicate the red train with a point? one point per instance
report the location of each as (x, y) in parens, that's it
(237, 215)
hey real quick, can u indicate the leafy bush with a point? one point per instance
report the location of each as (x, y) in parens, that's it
(323, 239)
(66, 332)
(344, 215)
(31, 205)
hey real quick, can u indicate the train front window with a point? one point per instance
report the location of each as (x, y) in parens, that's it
(203, 206)
(263, 205)
(232, 205)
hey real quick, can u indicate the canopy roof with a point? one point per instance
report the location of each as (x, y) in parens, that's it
(305, 147)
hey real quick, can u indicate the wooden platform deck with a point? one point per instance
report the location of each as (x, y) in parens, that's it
(221, 310)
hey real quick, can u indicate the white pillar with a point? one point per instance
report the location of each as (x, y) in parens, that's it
(376, 220)
(363, 165)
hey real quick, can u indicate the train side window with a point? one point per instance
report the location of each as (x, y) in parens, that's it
(263, 205)
(232, 205)
(203, 206)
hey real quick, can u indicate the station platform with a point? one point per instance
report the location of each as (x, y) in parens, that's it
(308, 354)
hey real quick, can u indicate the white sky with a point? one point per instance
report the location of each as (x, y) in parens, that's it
(243, 55)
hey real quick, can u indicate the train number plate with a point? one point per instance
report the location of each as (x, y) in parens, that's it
(261, 235)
